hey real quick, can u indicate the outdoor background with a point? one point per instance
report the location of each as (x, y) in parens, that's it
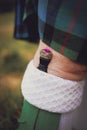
(14, 57)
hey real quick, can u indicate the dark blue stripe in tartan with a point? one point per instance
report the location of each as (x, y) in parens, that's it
(27, 29)
(52, 11)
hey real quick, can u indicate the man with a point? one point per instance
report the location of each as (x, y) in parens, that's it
(52, 98)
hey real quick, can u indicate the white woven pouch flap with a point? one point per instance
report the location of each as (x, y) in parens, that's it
(50, 92)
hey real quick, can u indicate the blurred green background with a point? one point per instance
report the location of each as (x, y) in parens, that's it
(14, 57)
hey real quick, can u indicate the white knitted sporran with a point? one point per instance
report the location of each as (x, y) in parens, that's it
(49, 92)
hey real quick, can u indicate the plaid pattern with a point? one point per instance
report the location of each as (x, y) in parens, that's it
(61, 24)
(26, 26)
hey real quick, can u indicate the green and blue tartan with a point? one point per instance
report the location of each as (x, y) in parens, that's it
(61, 24)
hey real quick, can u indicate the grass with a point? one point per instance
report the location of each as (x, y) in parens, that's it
(14, 57)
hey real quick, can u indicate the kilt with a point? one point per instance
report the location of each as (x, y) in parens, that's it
(61, 24)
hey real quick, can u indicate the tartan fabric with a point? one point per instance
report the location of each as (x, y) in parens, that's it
(25, 29)
(61, 24)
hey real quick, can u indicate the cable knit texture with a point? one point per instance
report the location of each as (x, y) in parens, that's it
(49, 92)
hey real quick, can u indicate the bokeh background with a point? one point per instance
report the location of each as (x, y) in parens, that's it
(14, 57)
